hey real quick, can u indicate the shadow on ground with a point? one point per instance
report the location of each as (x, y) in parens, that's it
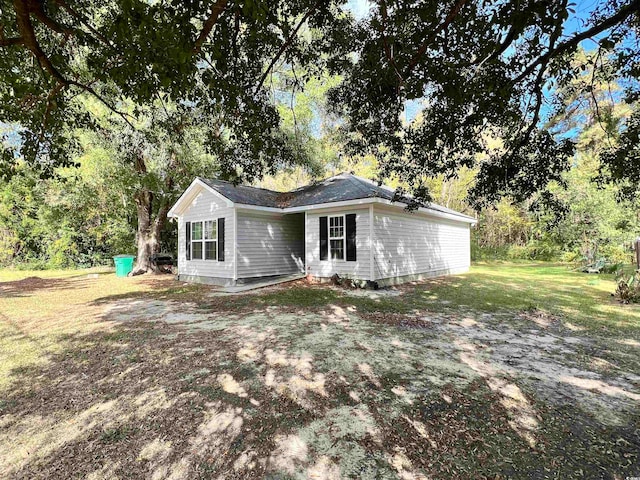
(188, 389)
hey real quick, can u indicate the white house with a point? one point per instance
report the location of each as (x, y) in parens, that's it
(345, 224)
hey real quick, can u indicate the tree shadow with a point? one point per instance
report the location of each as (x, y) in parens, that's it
(263, 396)
(32, 285)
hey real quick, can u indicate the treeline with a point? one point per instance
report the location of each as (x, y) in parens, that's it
(76, 219)
(83, 214)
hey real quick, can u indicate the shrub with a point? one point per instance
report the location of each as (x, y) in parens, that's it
(616, 254)
(488, 253)
(628, 290)
(534, 250)
(613, 268)
(571, 256)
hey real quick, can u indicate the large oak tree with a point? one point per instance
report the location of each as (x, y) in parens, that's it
(211, 61)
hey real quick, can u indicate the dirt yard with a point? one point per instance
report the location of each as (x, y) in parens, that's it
(148, 378)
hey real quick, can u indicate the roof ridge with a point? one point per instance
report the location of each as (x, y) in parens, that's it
(317, 182)
(240, 185)
(359, 184)
(373, 183)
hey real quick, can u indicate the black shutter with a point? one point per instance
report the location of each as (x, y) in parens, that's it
(350, 221)
(188, 232)
(221, 239)
(324, 238)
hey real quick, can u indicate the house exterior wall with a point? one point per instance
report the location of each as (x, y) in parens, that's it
(410, 246)
(269, 244)
(359, 269)
(206, 206)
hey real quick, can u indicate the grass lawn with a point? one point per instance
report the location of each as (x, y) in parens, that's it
(582, 298)
(509, 371)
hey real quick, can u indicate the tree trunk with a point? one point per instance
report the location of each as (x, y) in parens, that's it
(147, 236)
(149, 229)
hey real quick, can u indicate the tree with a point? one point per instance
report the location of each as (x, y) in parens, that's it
(156, 159)
(137, 52)
(481, 70)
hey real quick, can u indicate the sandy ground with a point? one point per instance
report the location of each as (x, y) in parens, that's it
(178, 390)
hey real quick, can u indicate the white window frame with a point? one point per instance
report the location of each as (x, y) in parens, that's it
(343, 238)
(203, 241)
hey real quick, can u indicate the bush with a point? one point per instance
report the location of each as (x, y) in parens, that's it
(488, 253)
(613, 268)
(517, 252)
(628, 290)
(616, 254)
(534, 250)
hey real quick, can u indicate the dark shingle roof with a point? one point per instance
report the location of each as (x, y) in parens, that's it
(245, 194)
(339, 188)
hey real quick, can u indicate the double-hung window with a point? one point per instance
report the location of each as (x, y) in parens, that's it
(204, 240)
(336, 237)
(211, 240)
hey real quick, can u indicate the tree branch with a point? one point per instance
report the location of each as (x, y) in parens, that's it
(35, 8)
(5, 42)
(623, 14)
(87, 88)
(216, 11)
(539, 82)
(387, 48)
(508, 40)
(285, 45)
(25, 27)
(84, 21)
(453, 13)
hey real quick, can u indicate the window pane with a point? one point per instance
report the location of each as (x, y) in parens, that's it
(336, 227)
(337, 249)
(211, 250)
(196, 231)
(210, 230)
(196, 250)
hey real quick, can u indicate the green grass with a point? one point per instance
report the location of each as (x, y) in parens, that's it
(13, 274)
(92, 381)
(68, 301)
(581, 298)
(39, 308)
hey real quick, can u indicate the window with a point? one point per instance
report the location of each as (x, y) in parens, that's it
(336, 237)
(196, 240)
(210, 240)
(204, 240)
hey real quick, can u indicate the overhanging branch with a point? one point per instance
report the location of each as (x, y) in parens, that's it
(285, 45)
(209, 23)
(622, 15)
(453, 13)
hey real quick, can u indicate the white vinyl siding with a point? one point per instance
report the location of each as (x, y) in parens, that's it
(205, 207)
(413, 243)
(270, 244)
(360, 269)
